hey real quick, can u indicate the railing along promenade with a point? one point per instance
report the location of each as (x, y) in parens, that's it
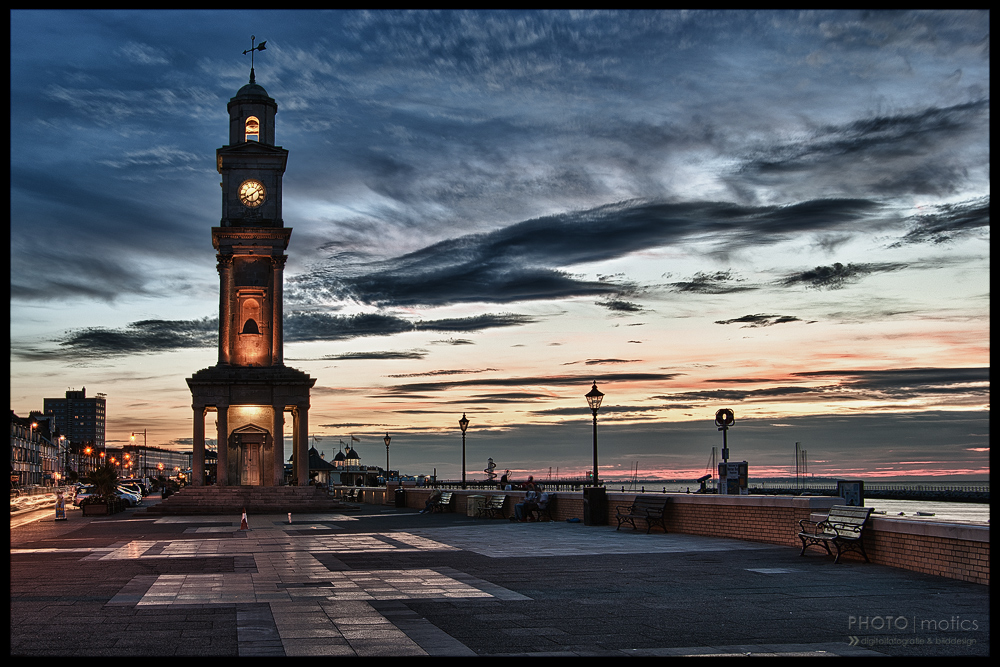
(968, 492)
(954, 550)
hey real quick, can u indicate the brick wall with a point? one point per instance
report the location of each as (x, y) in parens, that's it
(956, 551)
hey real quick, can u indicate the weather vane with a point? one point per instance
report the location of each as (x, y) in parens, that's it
(259, 47)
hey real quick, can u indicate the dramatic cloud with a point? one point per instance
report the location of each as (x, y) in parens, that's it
(545, 381)
(837, 275)
(153, 336)
(145, 337)
(908, 384)
(884, 155)
(949, 222)
(760, 320)
(347, 356)
(904, 381)
(720, 282)
(525, 261)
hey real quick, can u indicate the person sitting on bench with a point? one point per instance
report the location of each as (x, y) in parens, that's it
(523, 509)
(431, 502)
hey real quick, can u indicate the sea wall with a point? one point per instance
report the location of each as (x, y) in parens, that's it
(956, 551)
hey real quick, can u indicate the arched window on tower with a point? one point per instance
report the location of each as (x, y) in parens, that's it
(253, 129)
(250, 327)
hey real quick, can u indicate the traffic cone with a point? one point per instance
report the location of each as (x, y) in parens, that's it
(243, 521)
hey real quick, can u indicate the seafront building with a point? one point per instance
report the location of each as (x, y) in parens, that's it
(34, 451)
(80, 419)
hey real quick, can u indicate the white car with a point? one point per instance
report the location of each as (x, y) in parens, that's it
(131, 498)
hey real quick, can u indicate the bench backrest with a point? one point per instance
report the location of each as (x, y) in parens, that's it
(445, 498)
(846, 520)
(496, 501)
(643, 503)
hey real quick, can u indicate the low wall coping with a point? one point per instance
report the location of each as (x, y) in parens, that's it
(970, 532)
(816, 503)
(797, 502)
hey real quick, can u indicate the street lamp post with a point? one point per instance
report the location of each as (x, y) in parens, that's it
(142, 459)
(386, 439)
(594, 398)
(31, 448)
(63, 455)
(463, 423)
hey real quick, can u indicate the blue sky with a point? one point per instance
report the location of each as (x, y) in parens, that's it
(781, 213)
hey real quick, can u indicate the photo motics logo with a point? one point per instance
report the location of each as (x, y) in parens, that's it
(911, 624)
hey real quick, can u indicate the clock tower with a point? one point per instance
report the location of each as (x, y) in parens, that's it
(250, 388)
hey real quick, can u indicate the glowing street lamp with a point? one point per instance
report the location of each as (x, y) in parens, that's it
(594, 398)
(463, 423)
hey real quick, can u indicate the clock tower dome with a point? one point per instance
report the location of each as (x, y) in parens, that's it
(250, 388)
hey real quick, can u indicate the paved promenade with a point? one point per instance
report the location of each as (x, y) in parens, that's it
(392, 582)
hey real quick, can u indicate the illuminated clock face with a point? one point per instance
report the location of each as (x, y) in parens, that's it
(252, 193)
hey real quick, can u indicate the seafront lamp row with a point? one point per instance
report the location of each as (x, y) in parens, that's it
(594, 398)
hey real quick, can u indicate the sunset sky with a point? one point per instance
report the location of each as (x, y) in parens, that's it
(781, 213)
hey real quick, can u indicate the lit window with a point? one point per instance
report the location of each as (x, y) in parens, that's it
(253, 129)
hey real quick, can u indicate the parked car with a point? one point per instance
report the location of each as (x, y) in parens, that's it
(84, 491)
(134, 486)
(137, 485)
(131, 498)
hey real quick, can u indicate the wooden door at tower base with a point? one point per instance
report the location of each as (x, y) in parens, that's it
(250, 453)
(249, 447)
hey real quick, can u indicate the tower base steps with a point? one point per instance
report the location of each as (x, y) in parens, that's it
(254, 499)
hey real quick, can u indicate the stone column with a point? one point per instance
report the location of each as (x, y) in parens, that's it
(277, 291)
(225, 267)
(278, 434)
(198, 458)
(222, 469)
(302, 446)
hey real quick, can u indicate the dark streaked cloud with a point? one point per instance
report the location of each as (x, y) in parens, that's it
(544, 380)
(837, 275)
(906, 384)
(720, 282)
(760, 320)
(886, 155)
(525, 261)
(445, 372)
(621, 306)
(305, 326)
(153, 336)
(386, 354)
(906, 380)
(144, 337)
(473, 323)
(600, 362)
(949, 222)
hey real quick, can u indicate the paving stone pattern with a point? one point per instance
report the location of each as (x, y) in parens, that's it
(392, 582)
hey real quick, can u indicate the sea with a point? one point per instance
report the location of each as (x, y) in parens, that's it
(929, 510)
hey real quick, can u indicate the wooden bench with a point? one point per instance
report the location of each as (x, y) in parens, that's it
(492, 507)
(842, 528)
(544, 513)
(443, 503)
(650, 509)
(352, 494)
